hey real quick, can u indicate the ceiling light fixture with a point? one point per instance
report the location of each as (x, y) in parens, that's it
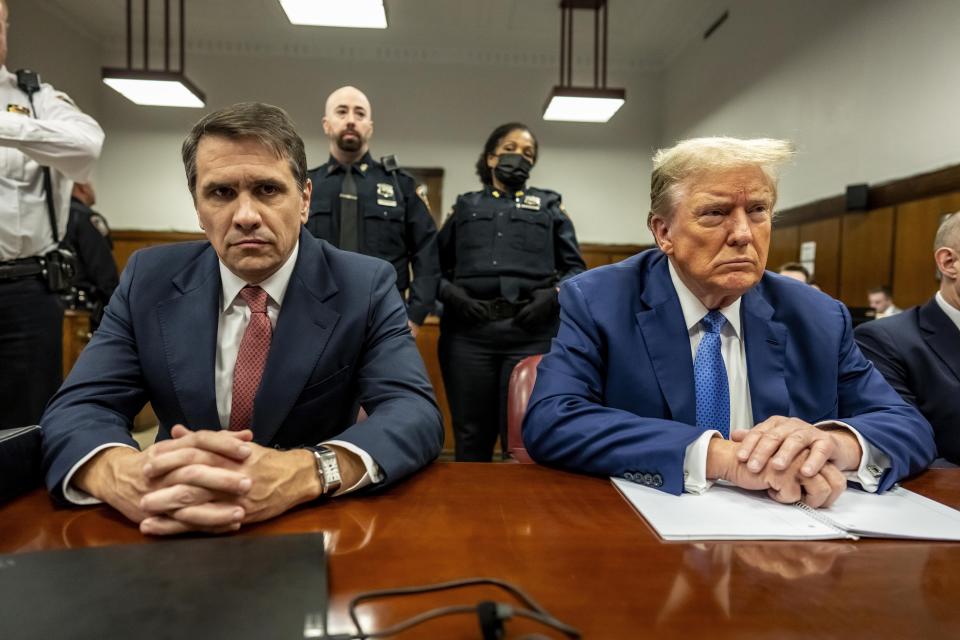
(167, 88)
(357, 14)
(583, 104)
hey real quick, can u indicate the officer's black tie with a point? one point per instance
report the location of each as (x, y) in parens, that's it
(348, 211)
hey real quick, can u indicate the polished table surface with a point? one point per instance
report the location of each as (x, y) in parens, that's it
(575, 546)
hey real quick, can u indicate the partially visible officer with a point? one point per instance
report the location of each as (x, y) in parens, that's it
(504, 250)
(39, 126)
(373, 209)
(88, 235)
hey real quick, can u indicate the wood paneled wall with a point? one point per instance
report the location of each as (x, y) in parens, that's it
(889, 244)
(126, 241)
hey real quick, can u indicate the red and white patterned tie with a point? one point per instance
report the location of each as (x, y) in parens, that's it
(251, 358)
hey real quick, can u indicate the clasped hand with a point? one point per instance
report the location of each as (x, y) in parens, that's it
(791, 459)
(208, 481)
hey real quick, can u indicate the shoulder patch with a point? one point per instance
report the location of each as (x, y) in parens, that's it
(62, 96)
(422, 194)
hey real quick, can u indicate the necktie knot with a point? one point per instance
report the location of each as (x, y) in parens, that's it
(713, 322)
(255, 297)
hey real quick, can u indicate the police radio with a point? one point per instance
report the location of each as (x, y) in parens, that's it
(391, 166)
(60, 264)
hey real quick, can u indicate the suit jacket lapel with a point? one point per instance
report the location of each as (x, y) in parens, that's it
(668, 343)
(302, 332)
(765, 341)
(188, 324)
(941, 334)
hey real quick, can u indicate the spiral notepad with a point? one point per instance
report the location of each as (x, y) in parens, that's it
(729, 513)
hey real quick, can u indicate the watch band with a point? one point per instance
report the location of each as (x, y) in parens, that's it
(328, 470)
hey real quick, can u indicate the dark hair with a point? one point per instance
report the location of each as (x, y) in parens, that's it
(498, 134)
(270, 125)
(884, 290)
(795, 266)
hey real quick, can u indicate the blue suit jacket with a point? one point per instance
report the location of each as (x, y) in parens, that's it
(341, 338)
(616, 392)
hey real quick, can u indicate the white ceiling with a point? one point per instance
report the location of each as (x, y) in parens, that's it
(647, 33)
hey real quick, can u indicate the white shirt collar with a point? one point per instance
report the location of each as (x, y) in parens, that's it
(952, 312)
(275, 285)
(694, 310)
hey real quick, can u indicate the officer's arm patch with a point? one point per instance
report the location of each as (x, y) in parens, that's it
(62, 96)
(422, 194)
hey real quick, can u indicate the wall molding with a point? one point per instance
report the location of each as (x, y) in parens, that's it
(885, 194)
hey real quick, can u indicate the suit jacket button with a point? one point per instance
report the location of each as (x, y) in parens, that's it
(647, 479)
(629, 476)
(657, 480)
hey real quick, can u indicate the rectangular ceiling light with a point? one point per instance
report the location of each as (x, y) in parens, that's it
(154, 88)
(583, 105)
(358, 14)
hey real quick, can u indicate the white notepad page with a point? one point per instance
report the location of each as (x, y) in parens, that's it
(729, 513)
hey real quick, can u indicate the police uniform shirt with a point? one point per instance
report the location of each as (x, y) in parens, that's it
(394, 225)
(58, 135)
(89, 237)
(496, 244)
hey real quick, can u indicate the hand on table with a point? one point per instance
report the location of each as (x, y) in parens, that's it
(195, 474)
(778, 441)
(204, 472)
(783, 485)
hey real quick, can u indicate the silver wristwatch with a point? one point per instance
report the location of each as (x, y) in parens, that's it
(327, 469)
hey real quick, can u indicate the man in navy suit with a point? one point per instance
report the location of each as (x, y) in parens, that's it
(688, 363)
(250, 346)
(918, 350)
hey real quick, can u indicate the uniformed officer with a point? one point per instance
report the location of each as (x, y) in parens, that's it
(88, 235)
(51, 131)
(358, 204)
(503, 251)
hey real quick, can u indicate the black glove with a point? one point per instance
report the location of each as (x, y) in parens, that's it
(542, 308)
(463, 305)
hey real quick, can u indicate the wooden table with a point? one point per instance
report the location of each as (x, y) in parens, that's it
(576, 546)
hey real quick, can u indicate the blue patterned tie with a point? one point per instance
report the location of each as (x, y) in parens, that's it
(710, 375)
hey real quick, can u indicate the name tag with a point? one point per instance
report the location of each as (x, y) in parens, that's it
(386, 203)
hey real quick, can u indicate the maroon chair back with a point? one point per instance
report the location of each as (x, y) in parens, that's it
(518, 394)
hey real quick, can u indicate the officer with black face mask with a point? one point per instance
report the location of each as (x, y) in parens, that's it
(503, 252)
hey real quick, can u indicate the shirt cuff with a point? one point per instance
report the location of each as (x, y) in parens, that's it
(372, 476)
(695, 463)
(75, 496)
(873, 463)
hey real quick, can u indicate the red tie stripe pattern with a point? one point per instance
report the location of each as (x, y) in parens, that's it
(251, 358)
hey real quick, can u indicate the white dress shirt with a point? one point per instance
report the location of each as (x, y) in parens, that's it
(873, 462)
(952, 312)
(58, 135)
(892, 310)
(234, 317)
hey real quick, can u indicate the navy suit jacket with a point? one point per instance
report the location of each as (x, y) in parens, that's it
(341, 339)
(918, 352)
(616, 392)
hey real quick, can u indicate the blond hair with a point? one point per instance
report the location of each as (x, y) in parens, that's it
(701, 155)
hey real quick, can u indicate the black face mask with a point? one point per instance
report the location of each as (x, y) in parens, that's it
(512, 170)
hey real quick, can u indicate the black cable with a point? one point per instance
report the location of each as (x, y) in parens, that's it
(503, 611)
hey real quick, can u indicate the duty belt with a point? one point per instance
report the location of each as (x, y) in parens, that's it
(22, 268)
(501, 308)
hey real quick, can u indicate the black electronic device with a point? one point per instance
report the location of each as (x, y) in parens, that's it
(858, 197)
(236, 587)
(20, 468)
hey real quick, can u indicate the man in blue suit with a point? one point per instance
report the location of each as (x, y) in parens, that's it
(256, 350)
(689, 363)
